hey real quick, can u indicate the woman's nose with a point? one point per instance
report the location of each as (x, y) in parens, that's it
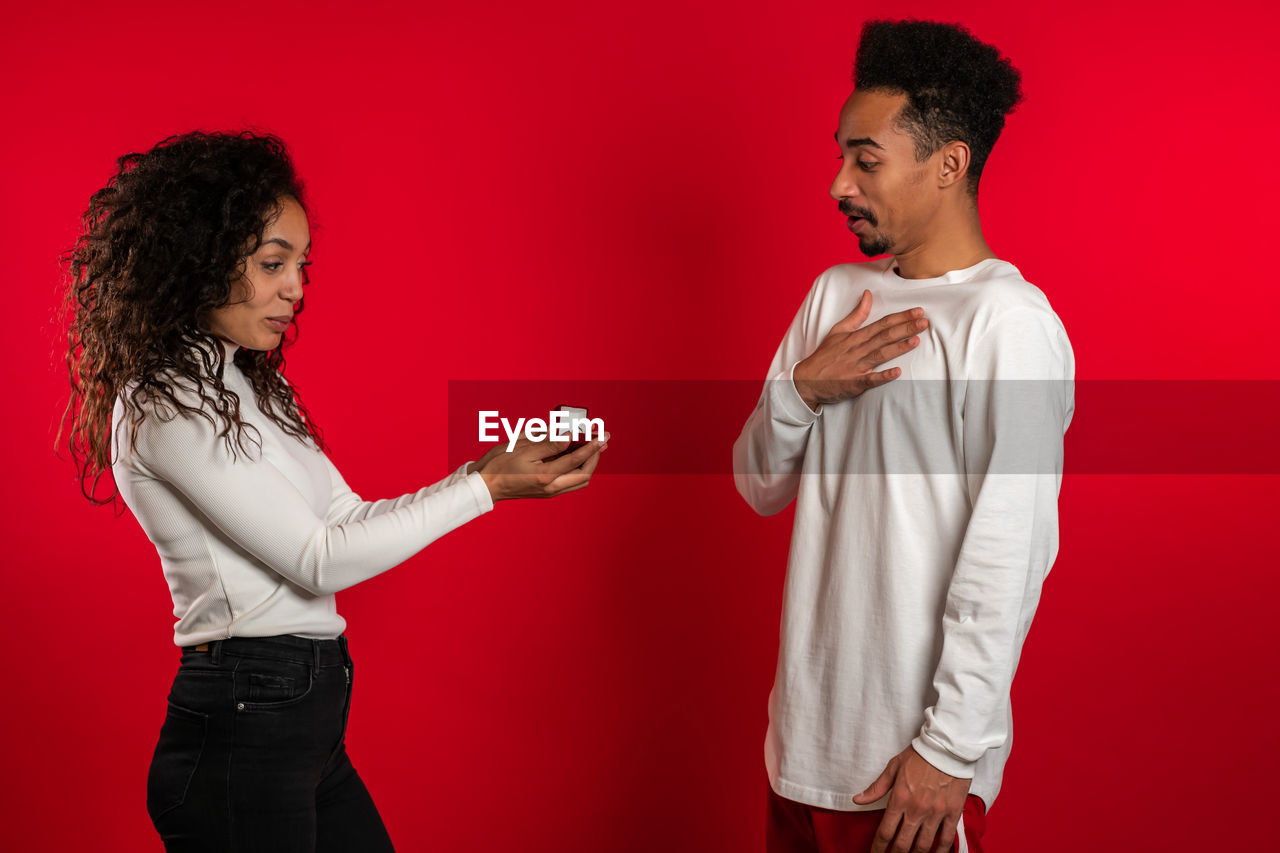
(291, 287)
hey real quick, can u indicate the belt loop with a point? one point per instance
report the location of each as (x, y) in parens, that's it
(315, 654)
(215, 651)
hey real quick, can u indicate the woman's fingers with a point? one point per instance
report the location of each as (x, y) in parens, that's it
(569, 461)
(573, 470)
(592, 460)
(566, 472)
(572, 481)
(530, 471)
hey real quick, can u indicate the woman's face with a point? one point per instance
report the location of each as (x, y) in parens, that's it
(263, 298)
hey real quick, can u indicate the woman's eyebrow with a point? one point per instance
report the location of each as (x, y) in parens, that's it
(285, 243)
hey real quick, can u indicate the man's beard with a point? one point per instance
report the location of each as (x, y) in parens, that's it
(873, 244)
(870, 245)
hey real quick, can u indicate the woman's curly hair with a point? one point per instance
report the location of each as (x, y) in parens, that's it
(956, 86)
(160, 246)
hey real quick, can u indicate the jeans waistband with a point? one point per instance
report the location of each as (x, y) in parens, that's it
(280, 647)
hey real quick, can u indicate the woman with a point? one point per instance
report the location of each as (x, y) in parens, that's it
(190, 269)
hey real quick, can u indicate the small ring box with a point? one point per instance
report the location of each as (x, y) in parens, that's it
(577, 415)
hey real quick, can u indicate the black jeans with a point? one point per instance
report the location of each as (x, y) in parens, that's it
(252, 755)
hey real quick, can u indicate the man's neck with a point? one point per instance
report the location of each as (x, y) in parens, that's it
(954, 243)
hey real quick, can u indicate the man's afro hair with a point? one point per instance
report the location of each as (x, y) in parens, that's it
(956, 86)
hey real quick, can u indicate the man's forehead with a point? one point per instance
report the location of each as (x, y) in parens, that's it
(870, 115)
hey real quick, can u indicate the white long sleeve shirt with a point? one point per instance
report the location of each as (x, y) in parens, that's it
(925, 524)
(258, 544)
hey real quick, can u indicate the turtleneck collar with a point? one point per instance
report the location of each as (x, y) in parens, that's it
(228, 351)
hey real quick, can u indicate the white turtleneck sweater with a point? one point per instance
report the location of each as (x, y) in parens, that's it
(925, 524)
(258, 544)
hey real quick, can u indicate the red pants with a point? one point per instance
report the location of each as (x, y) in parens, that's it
(793, 827)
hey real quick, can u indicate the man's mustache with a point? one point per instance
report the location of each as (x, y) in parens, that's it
(850, 210)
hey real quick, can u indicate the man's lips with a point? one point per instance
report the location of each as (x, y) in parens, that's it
(853, 217)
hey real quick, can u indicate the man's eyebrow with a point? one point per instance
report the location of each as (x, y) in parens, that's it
(285, 243)
(864, 140)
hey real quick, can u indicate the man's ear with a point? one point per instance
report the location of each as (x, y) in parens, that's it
(954, 163)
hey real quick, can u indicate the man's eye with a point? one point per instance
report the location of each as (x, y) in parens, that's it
(867, 165)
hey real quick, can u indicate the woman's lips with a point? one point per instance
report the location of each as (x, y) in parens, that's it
(278, 325)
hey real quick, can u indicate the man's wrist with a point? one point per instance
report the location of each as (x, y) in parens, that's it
(802, 387)
(942, 759)
(785, 404)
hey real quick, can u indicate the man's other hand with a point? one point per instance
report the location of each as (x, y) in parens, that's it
(923, 803)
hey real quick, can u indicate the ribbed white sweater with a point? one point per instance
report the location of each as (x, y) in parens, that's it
(258, 545)
(925, 524)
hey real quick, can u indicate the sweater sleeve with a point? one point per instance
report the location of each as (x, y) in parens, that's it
(254, 505)
(346, 506)
(769, 453)
(1015, 417)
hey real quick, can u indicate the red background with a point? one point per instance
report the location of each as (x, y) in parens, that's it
(520, 190)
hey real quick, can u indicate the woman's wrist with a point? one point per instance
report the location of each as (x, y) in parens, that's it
(488, 483)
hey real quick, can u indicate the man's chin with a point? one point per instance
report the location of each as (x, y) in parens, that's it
(872, 248)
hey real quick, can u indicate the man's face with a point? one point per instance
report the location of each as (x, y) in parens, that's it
(881, 188)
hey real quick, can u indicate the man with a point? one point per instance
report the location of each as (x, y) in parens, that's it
(915, 411)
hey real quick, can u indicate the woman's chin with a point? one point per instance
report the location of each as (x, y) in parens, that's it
(266, 343)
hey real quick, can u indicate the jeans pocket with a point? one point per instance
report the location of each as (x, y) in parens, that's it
(263, 683)
(173, 764)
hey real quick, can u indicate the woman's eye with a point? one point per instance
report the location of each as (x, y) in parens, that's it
(272, 266)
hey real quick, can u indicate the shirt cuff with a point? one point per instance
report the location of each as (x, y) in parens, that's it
(943, 760)
(788, 406)
(484, 500)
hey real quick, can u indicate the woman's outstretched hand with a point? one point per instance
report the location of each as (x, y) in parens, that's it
(528, 472)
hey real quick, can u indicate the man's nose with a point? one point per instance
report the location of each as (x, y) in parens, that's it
(844, 185)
